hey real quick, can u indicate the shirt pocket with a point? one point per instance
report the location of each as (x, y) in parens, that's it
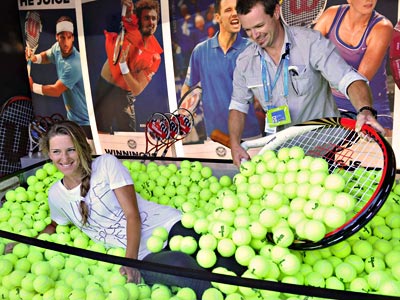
(256, 86)
(301, 81)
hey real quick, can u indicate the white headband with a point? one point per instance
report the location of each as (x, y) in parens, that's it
(64, 26)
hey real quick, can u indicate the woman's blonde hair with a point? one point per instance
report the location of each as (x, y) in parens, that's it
(84, 151)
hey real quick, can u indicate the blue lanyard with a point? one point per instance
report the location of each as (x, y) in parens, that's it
(284, 63)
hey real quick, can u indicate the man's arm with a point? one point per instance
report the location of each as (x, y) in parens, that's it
(52, 90)
(236, 123)
(360, 96)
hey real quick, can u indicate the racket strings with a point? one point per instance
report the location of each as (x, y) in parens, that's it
(164, 129)
(32, 29)
(301, 12)
(359, 160)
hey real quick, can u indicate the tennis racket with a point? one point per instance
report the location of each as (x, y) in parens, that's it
(33, 27)
(302, 12)
(120, 38)
(15, 117)
(365, 159)
(191, 99)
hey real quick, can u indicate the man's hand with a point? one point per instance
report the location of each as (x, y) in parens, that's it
(366, 117)
(30, 83)
(238, 155)
(132, 275)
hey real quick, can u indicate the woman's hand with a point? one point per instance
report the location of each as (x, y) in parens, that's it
(132, 274)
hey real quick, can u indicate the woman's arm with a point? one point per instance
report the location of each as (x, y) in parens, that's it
(378, 42)
(127, 198)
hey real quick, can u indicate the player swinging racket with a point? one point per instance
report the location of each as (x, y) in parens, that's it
(121, 82)
(69, 84)
(262, 70)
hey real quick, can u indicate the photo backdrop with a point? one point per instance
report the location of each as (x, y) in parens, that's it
(176, 37)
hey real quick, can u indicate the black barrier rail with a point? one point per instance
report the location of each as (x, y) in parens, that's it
(198, 274)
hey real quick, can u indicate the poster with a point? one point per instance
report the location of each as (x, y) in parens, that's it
(181, 25)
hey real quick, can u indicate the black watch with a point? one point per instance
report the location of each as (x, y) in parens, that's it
(371, 109)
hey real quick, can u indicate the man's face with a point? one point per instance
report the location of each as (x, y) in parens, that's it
(66, 41)
(259, 26)
(148, 22)
(227, 17)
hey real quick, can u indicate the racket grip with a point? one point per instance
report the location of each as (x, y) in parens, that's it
(123, 13)
(220, 137)
(29, 66)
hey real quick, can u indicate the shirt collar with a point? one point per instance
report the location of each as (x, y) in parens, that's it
(215, 43)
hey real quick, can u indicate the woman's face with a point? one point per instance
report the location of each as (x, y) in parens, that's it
(363, 6)
(64, 156)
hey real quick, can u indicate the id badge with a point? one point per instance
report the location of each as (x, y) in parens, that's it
(278, 116)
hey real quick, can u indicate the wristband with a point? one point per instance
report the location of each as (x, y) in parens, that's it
(38, 59)
(369, 108)
(124, 68)
(37, 88)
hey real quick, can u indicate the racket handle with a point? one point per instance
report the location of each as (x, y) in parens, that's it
(29, 66)
(220, 137)
(123, 13)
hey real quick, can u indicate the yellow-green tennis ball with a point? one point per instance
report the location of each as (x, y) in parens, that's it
(356, 261)
(154, 244)
(341, 250)
(374, 263)
(376, 278)
(244, 254)
(314, 279)
(334, 182)
(319, 164)
(359, 284)
(290, 264)
(212, 294)
(206, 258)
(259, 266)
(362, 248)
(41, 174)
(160, 292)
(334, 217)
(382, 246)
(345, 201)
(334, 283)
(345, 272)
(188, 245)
(186, 293)
(382, 232)
(323, 267)
(175, 242)
(296, 152)
(283, 236)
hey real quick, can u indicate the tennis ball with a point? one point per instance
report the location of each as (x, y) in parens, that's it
(175, 242)
(283, 236)
(188, 245)
(154, 244)
(118, 292)
(334, 182)
(362, 248)
(247, 168)
(345, 272)
(373, 263)
(314, 230)
(314, 279)
(259, 266)
(341, 250)
(226, 247)
(334, 217)
(359, 284)
(318, 177)
(212, 294)
(43, 283)
(334, 283)
(241, 236)
(6, 267)
(290, 264)
(206, 258)
(186, 293)
(318, 164)
(283, 154)
(244, 254)
(356, 261)
(323, 267)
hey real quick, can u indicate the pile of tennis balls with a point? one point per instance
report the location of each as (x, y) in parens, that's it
(232, 215)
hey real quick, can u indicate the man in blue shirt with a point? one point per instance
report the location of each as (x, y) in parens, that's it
(69, 84)
(211, 65)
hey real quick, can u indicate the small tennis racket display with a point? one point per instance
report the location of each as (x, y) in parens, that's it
(365, 159)
(302, 12)
(15, 117)
(120, 38)
(165, 129)
(33, 28)
(191, 99)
